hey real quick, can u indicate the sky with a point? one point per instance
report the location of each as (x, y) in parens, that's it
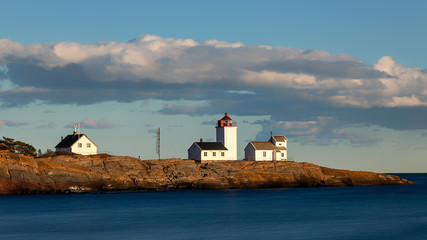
(344, 81)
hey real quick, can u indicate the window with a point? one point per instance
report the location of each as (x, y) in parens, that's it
(280, 144)
(205, 154)
(80, 145)
(283, 154)
(264, 154)
(214, 154)
(88, 145)
(222, 154)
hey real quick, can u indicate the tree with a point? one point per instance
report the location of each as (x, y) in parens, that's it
(7, 144)
(17, 147)
(25, 149)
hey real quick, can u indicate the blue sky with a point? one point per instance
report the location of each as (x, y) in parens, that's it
(344, 81)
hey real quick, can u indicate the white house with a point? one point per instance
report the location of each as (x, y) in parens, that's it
(207, 151)
(77, 143)
(274, 149)
(225, 147)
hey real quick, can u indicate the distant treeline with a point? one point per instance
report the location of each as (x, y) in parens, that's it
(27, 149)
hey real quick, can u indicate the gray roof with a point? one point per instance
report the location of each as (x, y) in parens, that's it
(263, 145)
(279, 138)
(266, 146)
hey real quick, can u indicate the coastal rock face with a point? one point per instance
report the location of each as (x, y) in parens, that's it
(21, 174)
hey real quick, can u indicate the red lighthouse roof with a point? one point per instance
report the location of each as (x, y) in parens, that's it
(226, 117)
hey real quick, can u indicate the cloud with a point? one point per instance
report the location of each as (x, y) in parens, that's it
(49, 125)
(93, 124)
(12, 123)
(357, 139)
(181, 109)
(297, 88)
(321, 131)
(166, 68)
(210, 122)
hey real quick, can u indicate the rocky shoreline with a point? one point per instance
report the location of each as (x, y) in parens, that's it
(76, 173)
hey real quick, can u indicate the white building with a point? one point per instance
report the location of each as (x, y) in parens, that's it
(225, 147)
(207, 151)
(274, 149)
(77, 143)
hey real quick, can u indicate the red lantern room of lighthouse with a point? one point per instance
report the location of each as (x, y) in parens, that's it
(225, 121)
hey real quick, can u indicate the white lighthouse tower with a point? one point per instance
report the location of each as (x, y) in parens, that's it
(226, 133)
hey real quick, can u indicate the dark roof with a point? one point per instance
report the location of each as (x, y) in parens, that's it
(211, 145)
(69, 140)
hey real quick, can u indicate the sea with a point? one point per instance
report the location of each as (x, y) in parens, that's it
(357, 212)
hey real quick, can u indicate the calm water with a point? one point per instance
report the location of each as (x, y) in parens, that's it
(371, 212)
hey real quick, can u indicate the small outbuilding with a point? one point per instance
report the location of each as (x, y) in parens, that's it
(275, 149)
(77, 143)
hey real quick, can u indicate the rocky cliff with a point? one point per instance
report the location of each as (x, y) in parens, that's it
(22, 175)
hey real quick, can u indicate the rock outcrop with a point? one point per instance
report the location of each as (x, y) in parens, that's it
(76, 173)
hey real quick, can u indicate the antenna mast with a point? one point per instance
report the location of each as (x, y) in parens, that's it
(158, 142)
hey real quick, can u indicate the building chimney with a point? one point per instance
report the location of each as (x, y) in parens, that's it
(62, 138)
(201, 139)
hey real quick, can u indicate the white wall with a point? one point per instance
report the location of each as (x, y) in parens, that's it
(84, 149)
(280, 144)
(259, 155)
(195, 153)
(228, 137)
(210, 155)
(279, 155)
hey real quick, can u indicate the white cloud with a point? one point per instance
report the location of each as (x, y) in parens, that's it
(411, 101)
(275, 79)
(222, 44)
(287, 83)
(338, 79)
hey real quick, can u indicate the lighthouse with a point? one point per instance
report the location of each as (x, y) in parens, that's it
(226, 133)
(225, 147)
